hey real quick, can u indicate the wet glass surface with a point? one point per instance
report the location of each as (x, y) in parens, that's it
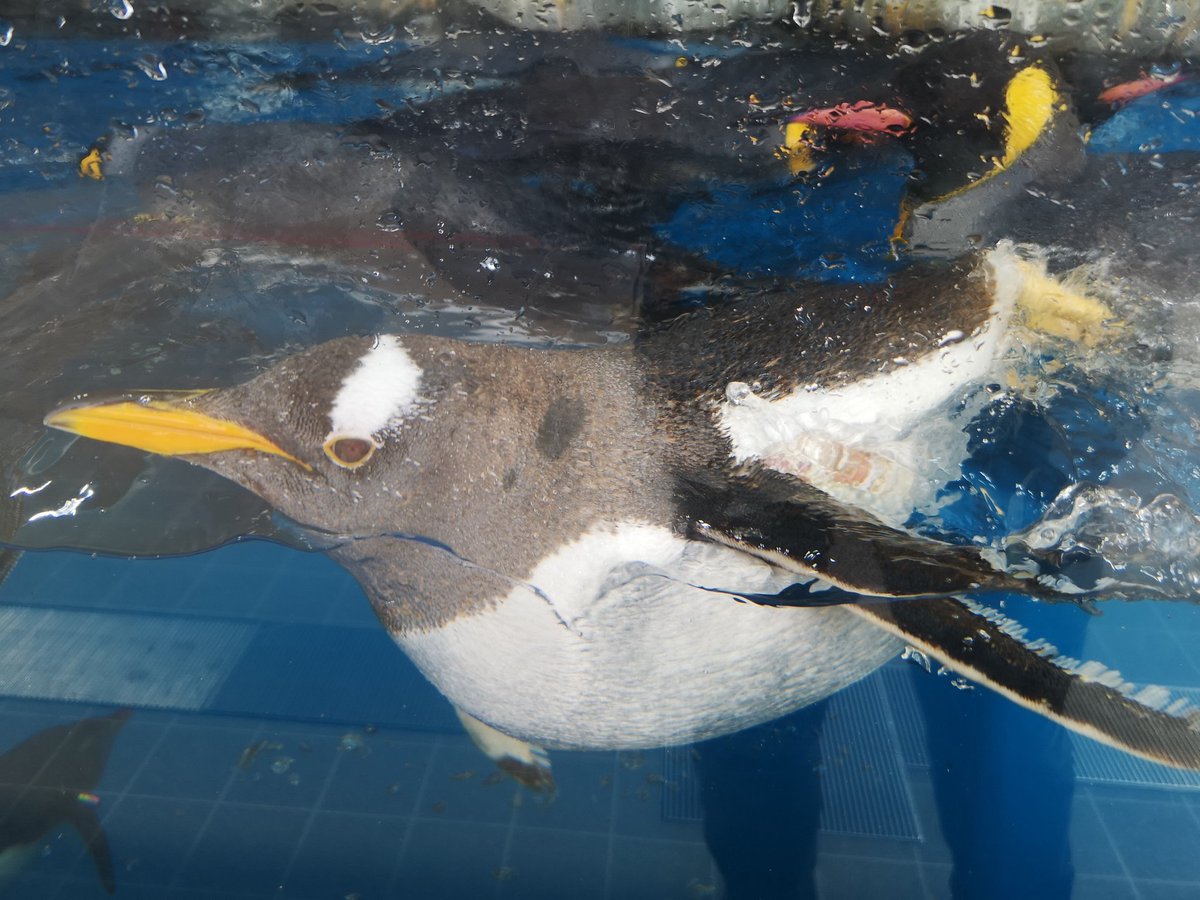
(315, 174)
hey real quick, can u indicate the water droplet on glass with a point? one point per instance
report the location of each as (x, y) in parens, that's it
(389, 221)
(281, 764)
(152, 67)
(122, 9)
(6, 98)
(6, 32)
(490, 264)
(351, 742)
(738, 392)
(951, 337)
(384, 35)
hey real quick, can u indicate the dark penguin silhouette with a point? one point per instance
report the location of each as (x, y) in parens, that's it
(45, 781)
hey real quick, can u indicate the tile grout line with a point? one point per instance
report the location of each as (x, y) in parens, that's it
(612, 826)
(124, 794)
(1114, 846)
(509, 836)
(313, 811)
(202, 830)
(418, 799)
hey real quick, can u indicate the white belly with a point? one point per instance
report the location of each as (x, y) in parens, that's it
(617, 643)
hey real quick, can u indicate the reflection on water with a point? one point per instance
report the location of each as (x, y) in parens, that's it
(572, 197)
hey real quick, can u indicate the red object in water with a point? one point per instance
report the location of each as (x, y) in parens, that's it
(863, 115)
(1120, 94)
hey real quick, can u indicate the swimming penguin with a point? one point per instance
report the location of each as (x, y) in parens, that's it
(588, 548)
(615, 152)
(984, 116)
(47, 780)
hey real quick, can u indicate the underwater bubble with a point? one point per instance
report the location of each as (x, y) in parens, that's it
(1151, 544)
(912, 654)
(281, 764)
(352, 742)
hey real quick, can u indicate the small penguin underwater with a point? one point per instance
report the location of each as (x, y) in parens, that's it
(47, 780)
(658, 542)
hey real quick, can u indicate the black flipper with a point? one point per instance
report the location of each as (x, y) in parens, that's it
(976, 645)
(913, 583)
(801, 529)
(87, 823)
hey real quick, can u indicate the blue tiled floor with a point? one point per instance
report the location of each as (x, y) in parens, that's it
(347, 797)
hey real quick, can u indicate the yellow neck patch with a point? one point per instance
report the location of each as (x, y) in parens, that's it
(1029, 102)
(1028, 107)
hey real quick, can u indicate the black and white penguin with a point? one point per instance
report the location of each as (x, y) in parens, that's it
(45, 781)
(563, 540)
(605, 157)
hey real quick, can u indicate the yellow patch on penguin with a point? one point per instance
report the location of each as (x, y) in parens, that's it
(1029, 102)
(90, 166)
(798, 147)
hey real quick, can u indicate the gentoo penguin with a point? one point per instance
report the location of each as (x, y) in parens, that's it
(47, 780)
(565, 541)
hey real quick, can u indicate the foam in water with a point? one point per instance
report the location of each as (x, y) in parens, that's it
(1151, 544)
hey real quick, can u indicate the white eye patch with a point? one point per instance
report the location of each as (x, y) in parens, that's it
(382, 388)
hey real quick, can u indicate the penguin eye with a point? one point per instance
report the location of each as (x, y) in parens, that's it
(349, 452)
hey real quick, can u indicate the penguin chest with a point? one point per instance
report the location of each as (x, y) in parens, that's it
(631, 636)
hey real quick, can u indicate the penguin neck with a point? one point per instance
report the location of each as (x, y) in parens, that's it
(528, 450)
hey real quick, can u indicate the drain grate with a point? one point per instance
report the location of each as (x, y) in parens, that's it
(864, 790)
(116, 660)
(1095, 763)
(906, 713)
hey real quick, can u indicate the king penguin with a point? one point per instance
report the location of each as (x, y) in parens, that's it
(650, 543)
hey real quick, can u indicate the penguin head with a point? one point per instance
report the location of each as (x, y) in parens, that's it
(329, 436)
